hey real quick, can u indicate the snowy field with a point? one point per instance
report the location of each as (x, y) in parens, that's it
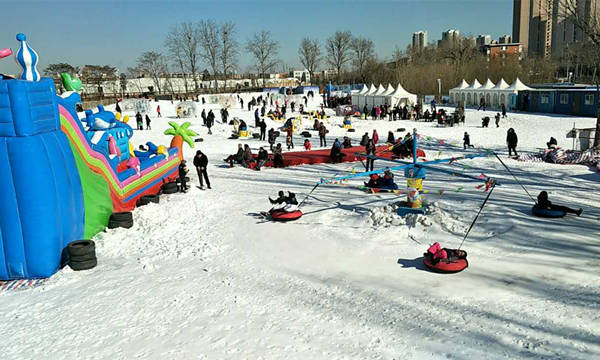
(199, 276)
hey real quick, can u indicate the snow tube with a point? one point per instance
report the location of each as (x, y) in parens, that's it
(281, 215)
(545, 213)
(445, 266)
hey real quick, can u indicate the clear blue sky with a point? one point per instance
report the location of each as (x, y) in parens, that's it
(116, 32)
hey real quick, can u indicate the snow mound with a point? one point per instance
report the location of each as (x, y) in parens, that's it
(434, 216)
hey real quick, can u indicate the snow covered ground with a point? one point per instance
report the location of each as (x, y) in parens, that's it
(201, 276)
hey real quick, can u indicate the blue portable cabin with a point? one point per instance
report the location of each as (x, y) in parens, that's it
(568, 99)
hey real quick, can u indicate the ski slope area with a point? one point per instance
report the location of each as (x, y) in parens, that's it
(202, 276)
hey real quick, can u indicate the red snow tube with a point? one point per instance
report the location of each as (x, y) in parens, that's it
(445, 266)
(286, 216)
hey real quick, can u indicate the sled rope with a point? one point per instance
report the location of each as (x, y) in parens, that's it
(477, 216)
(513, 175)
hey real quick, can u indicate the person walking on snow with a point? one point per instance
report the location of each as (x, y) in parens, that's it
(481, 104)
(158, 111)
(497, 117)
(201, 162)
(511, 141)
(467, 141)
(375, 137)
(148, 122)
(263, 129)
(503, 111)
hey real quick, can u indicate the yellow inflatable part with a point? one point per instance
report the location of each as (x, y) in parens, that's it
(162, 150)
(131, 153)
(244, 133)
(118, 116)
(126, 119)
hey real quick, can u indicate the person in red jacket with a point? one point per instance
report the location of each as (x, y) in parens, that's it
(375, 137)
(307, 145)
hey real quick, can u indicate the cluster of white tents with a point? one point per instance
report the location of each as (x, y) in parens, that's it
(494, 94)
(374, 96)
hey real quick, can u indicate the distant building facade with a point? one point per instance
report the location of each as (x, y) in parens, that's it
(419, 40)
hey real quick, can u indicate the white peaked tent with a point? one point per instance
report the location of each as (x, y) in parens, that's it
(383, 98)
(508, 95)
(471, 93)
(362, 99)
(371, 97)
(496, 93)
(401, 97)
(357, 95)
(457, 93)
(484, 91)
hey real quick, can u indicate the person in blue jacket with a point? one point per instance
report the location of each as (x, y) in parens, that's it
(387, 181)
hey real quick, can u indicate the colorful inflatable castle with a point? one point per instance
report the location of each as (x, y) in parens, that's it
(63, 177)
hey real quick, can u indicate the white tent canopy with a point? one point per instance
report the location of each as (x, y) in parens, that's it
(381, 99)
(494, 95)
(357, 95)
(401, 97)
(372, 97)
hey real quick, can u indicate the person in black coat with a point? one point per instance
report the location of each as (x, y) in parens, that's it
(263, 129)
(503, 110)
(370, 150)
(148, 122)
(118, 108)
(183, 170)
(511, 141)
(201, 162)
(544, 203)
(552, 144)
(262, 158)
(467, 141)
(390, 139)
(272, 137)
(365, 139)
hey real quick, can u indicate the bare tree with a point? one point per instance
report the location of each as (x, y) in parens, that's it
(229, 49)
(310, 55)
(264, 49)
(98, 74)
(587, 20)
(364, 50)
(152, 64)
(338, 50)
(173, 43)
(54, 71)
(210, 45)
(186, 36)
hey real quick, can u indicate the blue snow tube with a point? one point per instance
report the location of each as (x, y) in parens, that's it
(545, 213)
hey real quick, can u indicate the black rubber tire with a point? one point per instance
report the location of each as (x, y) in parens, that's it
(255, 136)
(81, 258)
(81, 247)
(400, 129)
(147, 199)
(199, 140)
(83, 265)
(351, 130)
(170, 188)
(126, 224)
(121, 216)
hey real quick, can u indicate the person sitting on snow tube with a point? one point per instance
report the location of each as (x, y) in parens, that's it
(387, 181)
(448, 255)
(544, 204)
(238, 157)
(347, 143)
(284, 203)
(552, 144)
(438, 253)
(373, 182)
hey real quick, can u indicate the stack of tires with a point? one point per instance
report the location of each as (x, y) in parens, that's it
(120, 219)
(82, 255)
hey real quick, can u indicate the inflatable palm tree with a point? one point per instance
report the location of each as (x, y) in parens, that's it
(180, 134)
